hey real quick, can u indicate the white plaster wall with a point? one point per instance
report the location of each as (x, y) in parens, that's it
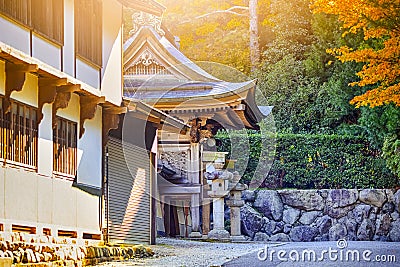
(90, 165)
(88, 211)
(64, 203)
(47, 52)
(87, 74)
(111, 85)
(27, 198)
(29, 93)
(69, 38)
(45, 143)
(14, 35)
(20, 195)
(72, 111)
(45, 200)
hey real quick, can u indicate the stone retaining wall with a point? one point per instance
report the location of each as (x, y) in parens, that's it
(321, 215)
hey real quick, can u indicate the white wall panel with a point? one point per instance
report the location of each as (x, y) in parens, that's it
(90, 165)
(14, 35)
(69, 38)
(87, 74)
(47, 52)
(111, 85)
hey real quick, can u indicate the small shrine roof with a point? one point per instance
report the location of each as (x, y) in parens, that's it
(157, 73)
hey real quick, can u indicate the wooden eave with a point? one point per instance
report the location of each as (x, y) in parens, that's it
(55, 86)
(10, 54)
(146, 112)
(148, 6)
(232, 99)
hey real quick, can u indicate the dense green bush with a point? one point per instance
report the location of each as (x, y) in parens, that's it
(307, 161)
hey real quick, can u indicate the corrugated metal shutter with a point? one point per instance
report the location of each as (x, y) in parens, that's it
(129, 193)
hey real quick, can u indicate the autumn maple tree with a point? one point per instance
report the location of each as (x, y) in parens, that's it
(379, 21)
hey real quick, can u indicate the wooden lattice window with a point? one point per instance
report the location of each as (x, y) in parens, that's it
(19, 10)
(18, 134)
(65, 147)
(48, 19)
(88, 30)
(45, 17)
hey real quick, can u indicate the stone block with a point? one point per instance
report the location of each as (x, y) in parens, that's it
(290, 215)
(270, 204)
(375, 197)
(303, 233)
(337, 232)
(309, 217)
(341, 198)
(302, 199)
(281, 237)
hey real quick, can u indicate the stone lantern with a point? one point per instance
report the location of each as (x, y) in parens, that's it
(235, 202)
(219, 189)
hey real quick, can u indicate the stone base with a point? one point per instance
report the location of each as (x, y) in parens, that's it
(195, 235)
(238, 238)
(219, 234)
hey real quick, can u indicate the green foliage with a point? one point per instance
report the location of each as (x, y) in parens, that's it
(207, 35)
(311, 161)
(380, 122)
(391, 152)
(290, 25)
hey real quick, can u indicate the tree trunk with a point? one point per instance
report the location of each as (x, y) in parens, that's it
(254, 44)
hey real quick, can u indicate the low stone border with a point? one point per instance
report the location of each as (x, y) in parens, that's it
(96, 255)
(21, 249)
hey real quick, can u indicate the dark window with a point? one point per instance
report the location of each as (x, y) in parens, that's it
(18, 134)
(88, 30)
(65, 150)
(45, 17)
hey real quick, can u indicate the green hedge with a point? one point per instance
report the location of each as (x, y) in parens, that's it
(307, 161)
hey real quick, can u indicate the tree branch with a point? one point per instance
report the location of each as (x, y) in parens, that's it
(226, 11)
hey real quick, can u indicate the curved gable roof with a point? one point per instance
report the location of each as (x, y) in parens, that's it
(183, 83)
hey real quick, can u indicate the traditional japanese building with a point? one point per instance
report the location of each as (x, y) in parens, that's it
(157, 73)
(60, 94)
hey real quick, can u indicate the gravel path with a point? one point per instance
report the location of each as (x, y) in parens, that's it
(177, 252)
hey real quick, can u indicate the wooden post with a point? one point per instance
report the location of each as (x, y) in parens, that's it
(167, 219)
(206, 217)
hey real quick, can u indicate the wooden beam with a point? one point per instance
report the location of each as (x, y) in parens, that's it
(146, 117)
(63, 96)
(110, 118)
(88, 109)
(47, 82)
(47, 93)
(15, 79)
(110, 121)
(194, 131)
